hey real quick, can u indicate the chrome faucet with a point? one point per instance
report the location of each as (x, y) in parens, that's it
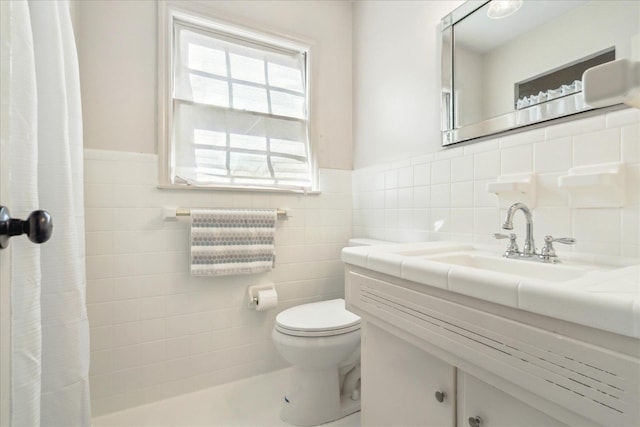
(547, 254)
(529, 248)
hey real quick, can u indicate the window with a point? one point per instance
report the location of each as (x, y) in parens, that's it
(236, 108)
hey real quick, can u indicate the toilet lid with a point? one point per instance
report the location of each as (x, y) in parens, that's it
(329, 317)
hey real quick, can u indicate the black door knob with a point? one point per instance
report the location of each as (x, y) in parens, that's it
(38, 226)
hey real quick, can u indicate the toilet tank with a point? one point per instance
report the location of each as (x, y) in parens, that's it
(367, 242)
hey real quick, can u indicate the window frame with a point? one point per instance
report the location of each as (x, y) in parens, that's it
(171, 13)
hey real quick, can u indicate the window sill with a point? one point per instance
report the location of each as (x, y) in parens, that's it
(242, 189)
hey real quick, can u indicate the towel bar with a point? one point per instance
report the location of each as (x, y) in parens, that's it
(169, 213)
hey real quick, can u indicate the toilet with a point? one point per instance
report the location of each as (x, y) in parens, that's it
(322, 342)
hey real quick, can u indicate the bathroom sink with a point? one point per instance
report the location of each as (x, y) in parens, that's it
(433, 262)
(434, 248)
(530, 269)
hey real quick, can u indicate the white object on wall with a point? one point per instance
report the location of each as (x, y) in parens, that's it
(263, 297)
(169, 213)
(515, 188)
(612, 83)
(595, 186)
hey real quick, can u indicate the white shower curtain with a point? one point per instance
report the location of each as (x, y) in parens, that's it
(49, 326)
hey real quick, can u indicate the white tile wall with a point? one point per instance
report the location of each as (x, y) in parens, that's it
(450, 201)
(158, 332)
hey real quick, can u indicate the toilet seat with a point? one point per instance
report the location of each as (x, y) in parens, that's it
(317, 319)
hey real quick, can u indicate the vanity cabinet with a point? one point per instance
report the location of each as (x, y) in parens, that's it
(405, 386)
(505, 366)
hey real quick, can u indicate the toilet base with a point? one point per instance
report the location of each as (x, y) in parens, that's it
(348, 406)
(313, 398)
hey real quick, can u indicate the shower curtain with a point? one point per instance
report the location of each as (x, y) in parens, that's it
(49, 326)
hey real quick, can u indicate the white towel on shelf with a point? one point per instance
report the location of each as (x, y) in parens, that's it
(232, 241)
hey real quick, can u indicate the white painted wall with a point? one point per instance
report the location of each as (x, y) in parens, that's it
(117, 58)
(396, 70)
(156, 331)
(396, 79)
(118, 69)
(407, 188)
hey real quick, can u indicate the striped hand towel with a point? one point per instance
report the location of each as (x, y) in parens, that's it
(232, 241)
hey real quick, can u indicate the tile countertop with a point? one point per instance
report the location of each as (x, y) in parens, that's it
(606, 297)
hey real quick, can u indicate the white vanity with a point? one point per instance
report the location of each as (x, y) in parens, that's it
(455, 335)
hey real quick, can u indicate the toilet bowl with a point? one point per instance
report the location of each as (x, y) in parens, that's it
(322, 342)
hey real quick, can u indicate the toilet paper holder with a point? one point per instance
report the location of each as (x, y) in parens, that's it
(253, 294)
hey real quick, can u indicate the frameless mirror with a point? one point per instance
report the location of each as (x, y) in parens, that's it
(505, 73)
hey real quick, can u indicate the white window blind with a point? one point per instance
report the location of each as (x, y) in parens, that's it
(240, 114)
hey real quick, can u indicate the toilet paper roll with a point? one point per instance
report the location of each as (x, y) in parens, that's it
(267, 298)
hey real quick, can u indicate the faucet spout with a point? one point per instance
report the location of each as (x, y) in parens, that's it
(529, 248)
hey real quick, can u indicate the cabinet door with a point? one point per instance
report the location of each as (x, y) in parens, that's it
(400, 381)
(494, 407)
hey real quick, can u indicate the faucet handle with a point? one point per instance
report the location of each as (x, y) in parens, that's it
(512, 248)
(548, 253)
(564, 240)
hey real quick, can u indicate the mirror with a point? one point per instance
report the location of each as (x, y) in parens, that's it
(503, 74)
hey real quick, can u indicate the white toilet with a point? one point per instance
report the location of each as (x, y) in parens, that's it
(322, 342)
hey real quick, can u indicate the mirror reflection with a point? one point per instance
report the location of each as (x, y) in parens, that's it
(510, 68)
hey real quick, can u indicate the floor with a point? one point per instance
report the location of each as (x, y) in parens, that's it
(251, 402)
